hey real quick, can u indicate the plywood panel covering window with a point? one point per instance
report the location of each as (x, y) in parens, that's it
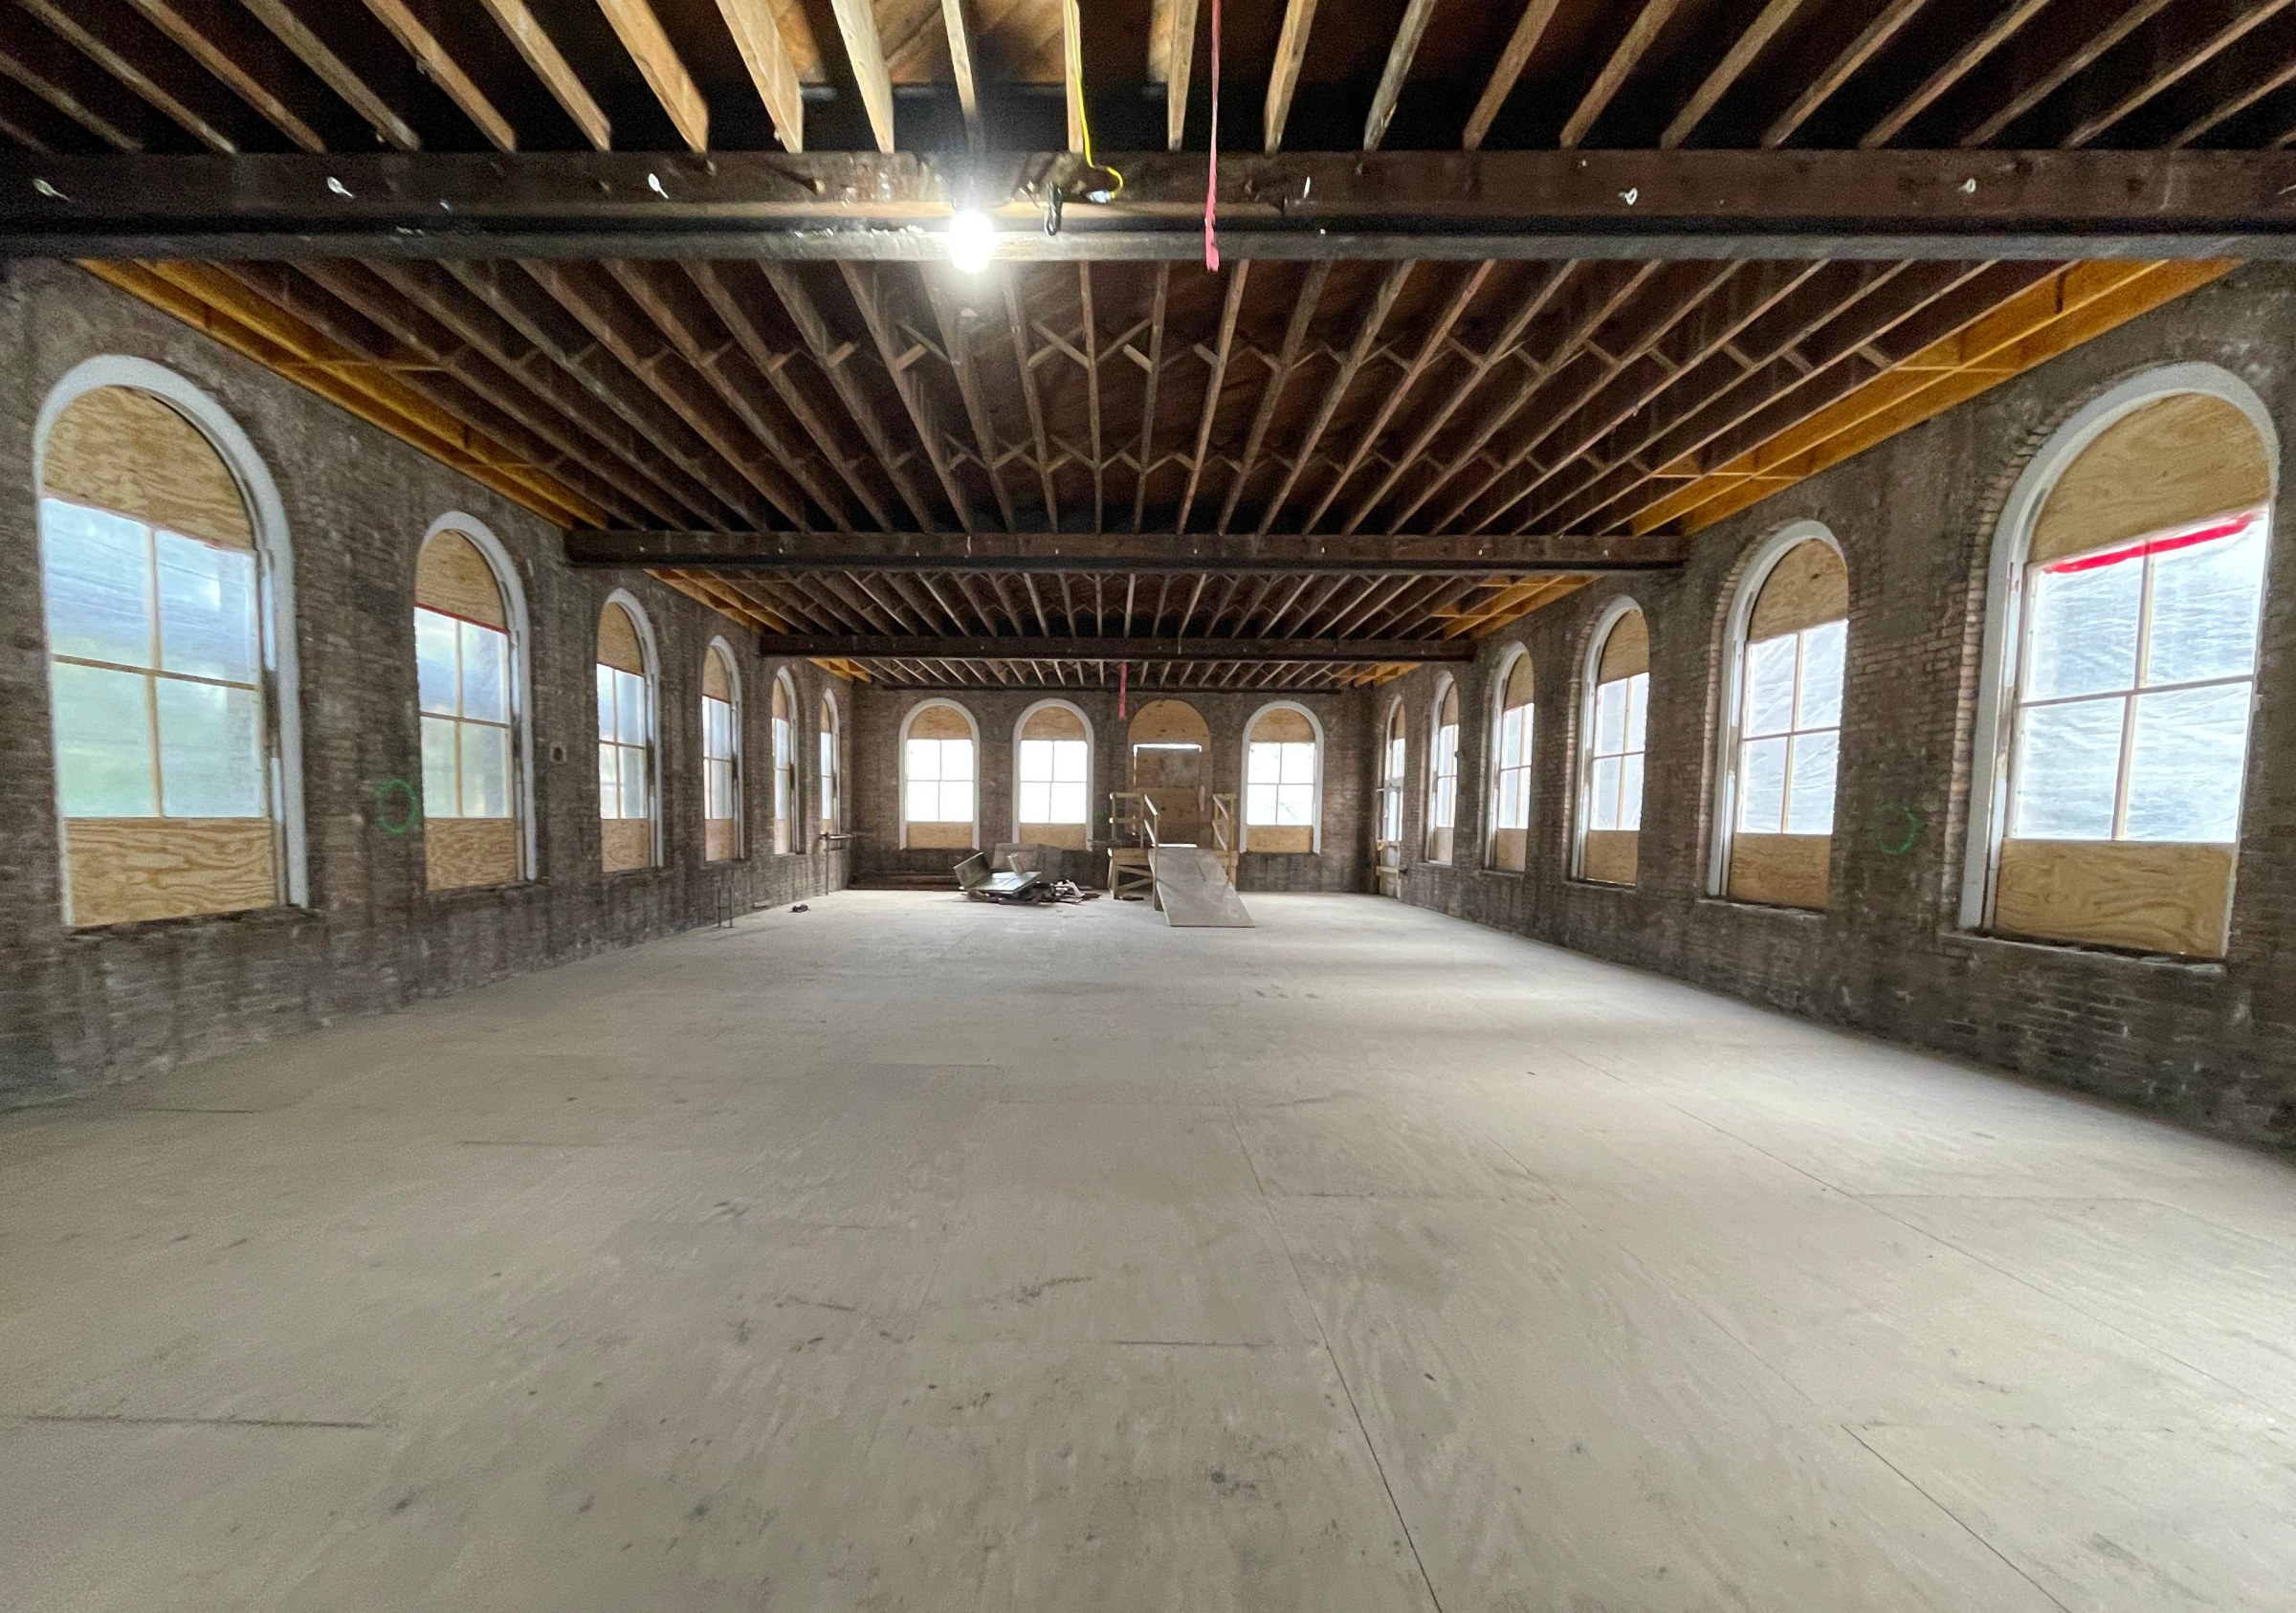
(1442, 774)
(939, 776)
(1283, 769)
(1510, 768)
(2135, 675)
(1611, 776)
(785, 765)
(832, 775)
(1787, 729)
(721, 758)
(163, 740)
(626, 789)
(1054, 772)
(465, 688)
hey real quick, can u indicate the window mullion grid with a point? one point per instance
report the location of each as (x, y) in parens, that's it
(2144, 659)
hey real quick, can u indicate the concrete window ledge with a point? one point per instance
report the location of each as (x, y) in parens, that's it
(2074, 953)
(1794, 915)
(283, 917)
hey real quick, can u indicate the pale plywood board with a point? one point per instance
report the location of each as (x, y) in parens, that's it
(2168, 464)
(1609, 856)
(123, 450)
(626, 842)
(940, 721)
(1626, 651)
(2132, 893)
(940, 837)
(1807, 587)
(1169, 723)
(1279, 837)
(126, 869)
(1053, 722)
(618, 645)
(716, 681)
(1511, 850)
(1781, 870)
(1438, 845)
(1284, 726)
(1064, 837)
(720, 843)
(453, 576)
(1518, 683)
(462, 853)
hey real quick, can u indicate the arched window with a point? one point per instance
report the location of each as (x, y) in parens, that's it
(1510, 766)
(785, 765)
(626, 706)
(1442, 774)
(832, 773)
(2128, 583)
(1394, 751)
(1283, 781)
(163, 660)
(1053, 766)
(939, 776)
(1610, 775)
(1388, 850)
(1781, 733)
(721, 754)
(467, 688)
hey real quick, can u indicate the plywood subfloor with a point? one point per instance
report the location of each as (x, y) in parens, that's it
(913, 1253)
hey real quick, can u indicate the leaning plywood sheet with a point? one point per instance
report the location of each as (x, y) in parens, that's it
(1194, 889)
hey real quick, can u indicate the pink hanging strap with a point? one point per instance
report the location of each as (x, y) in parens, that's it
(1211, 181)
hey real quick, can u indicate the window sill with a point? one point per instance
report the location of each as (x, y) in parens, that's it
(281, 914)
(452, 892)
(1502, 873)
(1780, 910)
(1584, 883)
(1980, 942)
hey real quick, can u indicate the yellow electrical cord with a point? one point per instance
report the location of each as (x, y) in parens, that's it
(1073, 34)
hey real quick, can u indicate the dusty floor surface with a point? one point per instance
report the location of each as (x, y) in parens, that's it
(915, 1254)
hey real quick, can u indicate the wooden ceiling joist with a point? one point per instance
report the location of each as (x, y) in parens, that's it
(1559, 282)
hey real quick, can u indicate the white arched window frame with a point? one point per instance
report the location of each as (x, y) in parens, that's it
(942, 779)
(831, 764)
(1765, 560)
(1024, 784)
(1395, 749)
(649, 651)
(274, 560)
(491, 549)
(2006, 595)
(1314, 782)
(782, 714)
(722, 749)
(1592, 740)
(1507, 763)
(1442, 772)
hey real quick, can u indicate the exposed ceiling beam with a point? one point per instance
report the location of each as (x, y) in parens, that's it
(552, 67)
(1283, 76)
(440, 67)
(865, 52)
(1153, 554)
(960, 64)
(642, 36)
(1050, 648)
(1884, 204)
(759, 40)
(1529, 29)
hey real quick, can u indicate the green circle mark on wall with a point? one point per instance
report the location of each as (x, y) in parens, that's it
(1896, 828)
(396, 808)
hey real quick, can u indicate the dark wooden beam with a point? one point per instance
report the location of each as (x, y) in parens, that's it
(866, 647)
(1151, 554)
(1881, 204)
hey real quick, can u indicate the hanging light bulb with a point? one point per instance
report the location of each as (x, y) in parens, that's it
(972, 240)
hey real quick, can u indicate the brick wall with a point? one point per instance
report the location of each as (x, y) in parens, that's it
(1339, 866)
(2211, 1044)
(82, 1008)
